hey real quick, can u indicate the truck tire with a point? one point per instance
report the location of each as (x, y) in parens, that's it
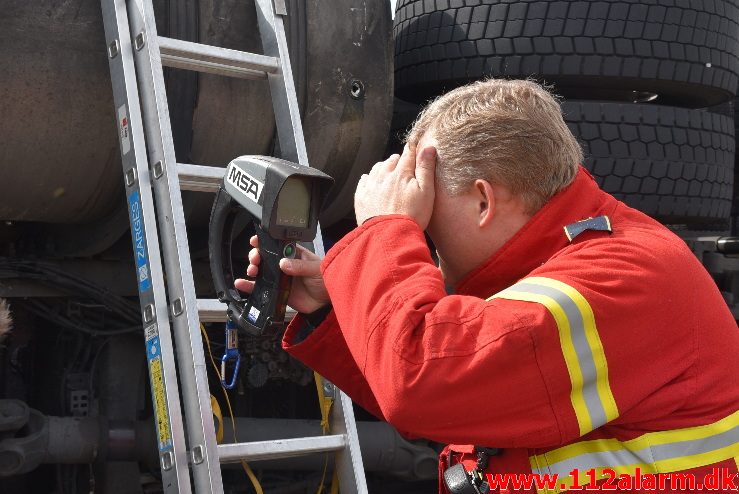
(674, 164)
(683, 52)
(735, 205)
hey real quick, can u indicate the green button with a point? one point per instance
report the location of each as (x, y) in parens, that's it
(289, 250)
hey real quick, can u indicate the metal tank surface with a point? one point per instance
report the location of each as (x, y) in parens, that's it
(59, 153)
(59, 149)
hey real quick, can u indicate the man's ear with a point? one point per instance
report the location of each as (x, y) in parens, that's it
(485, 196)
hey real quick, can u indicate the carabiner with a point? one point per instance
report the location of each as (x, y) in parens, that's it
(231, 353)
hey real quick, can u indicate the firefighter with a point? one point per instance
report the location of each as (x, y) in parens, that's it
(561, 331)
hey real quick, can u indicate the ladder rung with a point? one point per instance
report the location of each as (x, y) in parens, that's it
(282, 448)
(200, 178)
(213, 310)
(215, 60)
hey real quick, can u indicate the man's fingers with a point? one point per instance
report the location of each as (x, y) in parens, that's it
(252, 270)
(376, 168)
(385, 166)
(254, 257)
(362, 180)
(307, 255)
(392, 162)
(407, 161)
(307, 264)
(244, 285)
(426, 168)
(300, 267)
(295, 270)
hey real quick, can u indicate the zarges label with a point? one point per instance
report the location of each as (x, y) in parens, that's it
(250, 186)
(139, 241)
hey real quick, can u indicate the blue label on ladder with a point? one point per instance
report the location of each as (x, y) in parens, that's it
(152, 348)
(139, 241)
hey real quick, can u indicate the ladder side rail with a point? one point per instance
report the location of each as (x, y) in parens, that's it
(349, 461)
(199, 424)
(152, 297)
(292, 145)
(281, 84)
(282, 88)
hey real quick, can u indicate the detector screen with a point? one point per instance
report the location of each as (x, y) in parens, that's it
(293, 203)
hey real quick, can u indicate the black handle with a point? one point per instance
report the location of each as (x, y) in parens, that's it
(264, 309)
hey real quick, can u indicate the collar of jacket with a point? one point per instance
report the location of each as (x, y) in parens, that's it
(539, 239)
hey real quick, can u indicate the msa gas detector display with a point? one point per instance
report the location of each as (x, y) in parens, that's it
(283, 200)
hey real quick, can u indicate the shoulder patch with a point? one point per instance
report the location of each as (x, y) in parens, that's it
(599, 223)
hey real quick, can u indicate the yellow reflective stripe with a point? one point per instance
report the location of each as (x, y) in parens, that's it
(591, 395)
(580, 448)
(596, 346)
(699, 460)
(568, 350)
(736, 460)
(693, 433)
(655, 452)
(647, 440)
(599, 474)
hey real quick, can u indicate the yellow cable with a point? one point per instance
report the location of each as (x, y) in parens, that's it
(335, 482)
(244, 464)
(325, 403)
(323, 475)
(219, 417)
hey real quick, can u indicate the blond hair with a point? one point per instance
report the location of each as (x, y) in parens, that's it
(507, 132)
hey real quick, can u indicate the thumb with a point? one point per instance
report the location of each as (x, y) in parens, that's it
(300, 267)
(426, 167)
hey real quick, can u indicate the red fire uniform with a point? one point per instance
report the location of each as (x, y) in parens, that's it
(612, 351)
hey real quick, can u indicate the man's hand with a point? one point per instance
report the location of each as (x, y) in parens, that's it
(308, 292)
(399, 185)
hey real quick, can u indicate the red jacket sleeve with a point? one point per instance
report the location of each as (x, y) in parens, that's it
(450, 368)
(326, 352)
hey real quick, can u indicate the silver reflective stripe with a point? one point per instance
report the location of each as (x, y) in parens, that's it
(599, 459)
(585, 359)
(657, 456)
(696, 446)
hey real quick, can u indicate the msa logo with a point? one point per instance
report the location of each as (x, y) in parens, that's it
(250, 186)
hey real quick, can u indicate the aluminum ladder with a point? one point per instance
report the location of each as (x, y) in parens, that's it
(136, 55)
